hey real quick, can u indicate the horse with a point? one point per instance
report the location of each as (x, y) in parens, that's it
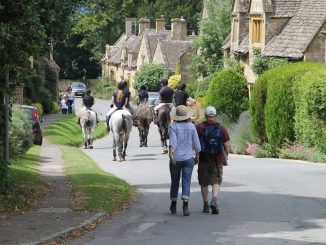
(120, 124)
(163, 123)
(88, 121)
(143, 119)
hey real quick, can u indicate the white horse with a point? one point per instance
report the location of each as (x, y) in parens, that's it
(88, 121)
(120, 125)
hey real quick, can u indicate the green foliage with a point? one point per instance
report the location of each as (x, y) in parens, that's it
(203, 86)
(20, 133)
(228, 93)
(310, 102)
(104, 90)
(262, 64)
(149, 75)
(39, 109)
(46, 99)
(213, 32)
(266, 151)
(240, 134)
(191, 89)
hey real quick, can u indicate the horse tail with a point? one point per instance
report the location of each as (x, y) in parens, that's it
(124, 123)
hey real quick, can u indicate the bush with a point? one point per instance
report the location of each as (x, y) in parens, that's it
(310, 102)
(20, 132)
(203, 85)
(174, 81)
(55, 108)
(228, 93)
(266, 151)
(191, 89)
(240, 134)
(104, 90)
(39, 108)
(46, 99)
(149, 75)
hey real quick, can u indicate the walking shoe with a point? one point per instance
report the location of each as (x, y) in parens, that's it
(206, 208)
(214, 206)
(173, 207)
(185, 209)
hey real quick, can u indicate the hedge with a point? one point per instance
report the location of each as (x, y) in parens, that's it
(288, 103)
(203, 86)
(228, 93)
(149, 75)
(174, 81)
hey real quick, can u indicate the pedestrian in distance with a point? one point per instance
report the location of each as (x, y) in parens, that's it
(181, 96)
(142, 97)
(63, 105)
(184, 144)
(214, 140)
(71, 99)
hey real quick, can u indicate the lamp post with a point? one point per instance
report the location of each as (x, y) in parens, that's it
(6, 119)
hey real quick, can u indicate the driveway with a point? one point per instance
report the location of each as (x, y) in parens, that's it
(263, 201)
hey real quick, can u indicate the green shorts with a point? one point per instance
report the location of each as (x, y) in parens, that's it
(210, 173)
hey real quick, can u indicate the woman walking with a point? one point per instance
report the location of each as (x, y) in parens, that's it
(71, 99)
(184, 142)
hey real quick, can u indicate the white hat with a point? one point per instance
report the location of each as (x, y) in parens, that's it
(210, 111)
(181, 113)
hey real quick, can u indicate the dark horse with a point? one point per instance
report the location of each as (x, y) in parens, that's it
(143, 119)
(163, 123)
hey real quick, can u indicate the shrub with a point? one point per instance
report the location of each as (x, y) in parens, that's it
(46, 99)
(104, 90)
(228, 93)
(20, 132)
(240, 134)
(174, 81)
(39, 108)
(55, 108)
(266, 151)
(149, 75)
(203, 85)
(191, 89)
(310, 102)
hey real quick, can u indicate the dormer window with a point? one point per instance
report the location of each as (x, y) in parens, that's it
(257, 31)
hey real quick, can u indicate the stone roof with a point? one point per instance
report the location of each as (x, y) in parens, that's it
(293, 40)
(285, 8)
(151, 39)
(227, 43)
(244, 45)
(173, 50)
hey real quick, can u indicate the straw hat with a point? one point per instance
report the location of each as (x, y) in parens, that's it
(181, 113)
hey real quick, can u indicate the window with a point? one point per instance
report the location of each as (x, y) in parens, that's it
(257, 31)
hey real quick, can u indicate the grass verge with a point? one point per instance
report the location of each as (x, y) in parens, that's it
(94, 190)
(67, 132)
(26, 186)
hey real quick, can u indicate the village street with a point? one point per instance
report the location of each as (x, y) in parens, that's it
(262, 201)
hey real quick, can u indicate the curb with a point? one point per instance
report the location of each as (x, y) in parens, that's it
(68, 230)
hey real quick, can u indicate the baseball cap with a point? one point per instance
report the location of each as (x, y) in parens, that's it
(210, 111)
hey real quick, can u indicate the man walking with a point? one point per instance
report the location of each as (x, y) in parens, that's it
(214, 140)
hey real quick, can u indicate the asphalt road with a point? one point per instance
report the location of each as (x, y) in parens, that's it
(262, 201)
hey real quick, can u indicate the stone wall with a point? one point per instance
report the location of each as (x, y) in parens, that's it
(316, 52)
(19, 95)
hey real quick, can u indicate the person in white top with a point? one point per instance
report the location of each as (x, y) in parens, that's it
(71, 99)
(64, 106)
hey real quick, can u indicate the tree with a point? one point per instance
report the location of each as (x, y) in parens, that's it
(213, 32)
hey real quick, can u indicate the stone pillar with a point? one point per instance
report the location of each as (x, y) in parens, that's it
(160, 24)
(143, 25)
(19, 95)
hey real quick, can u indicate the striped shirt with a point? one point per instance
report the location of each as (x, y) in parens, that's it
(184, 140)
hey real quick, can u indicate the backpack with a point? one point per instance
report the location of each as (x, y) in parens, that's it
(212, 140)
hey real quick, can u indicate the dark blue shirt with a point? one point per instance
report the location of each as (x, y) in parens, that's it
(143, 97)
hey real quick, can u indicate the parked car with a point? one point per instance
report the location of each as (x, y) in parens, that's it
(33, 117)
(78, 88)
(153, 98)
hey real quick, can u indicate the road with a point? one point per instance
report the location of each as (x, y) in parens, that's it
(263, 201)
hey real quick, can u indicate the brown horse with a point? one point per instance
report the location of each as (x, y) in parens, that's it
(143, 119)
(163, 123)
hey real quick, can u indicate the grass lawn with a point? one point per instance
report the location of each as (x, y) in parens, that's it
(66, 132)
(94, 189)
(26, 186)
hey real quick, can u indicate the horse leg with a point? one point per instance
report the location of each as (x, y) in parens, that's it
(146, 129)
(140, 136)
(114, 148)
(126, 139)
(84, 136)
(120, 148)
(90, 136)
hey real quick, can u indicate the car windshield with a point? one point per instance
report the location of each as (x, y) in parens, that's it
(78, 85)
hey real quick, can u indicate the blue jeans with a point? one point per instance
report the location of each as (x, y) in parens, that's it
(184, 167)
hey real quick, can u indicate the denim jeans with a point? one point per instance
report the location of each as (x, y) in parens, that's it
(70, 102)
(185, 168)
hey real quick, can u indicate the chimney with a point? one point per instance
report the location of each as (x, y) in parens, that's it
(160, 24)
(130, 26)
(143, 25)
(107, 52)
(179, 29)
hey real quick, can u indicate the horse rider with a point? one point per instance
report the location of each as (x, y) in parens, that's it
(181, 96)
(88, 102)
(165, 96)
(120, 99)
(142, 95)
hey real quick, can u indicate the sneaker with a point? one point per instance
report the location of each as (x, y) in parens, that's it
(206, 208)
(185, 210)
(214, 207)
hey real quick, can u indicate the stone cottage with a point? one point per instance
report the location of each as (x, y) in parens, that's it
(149, 46)
(290, 29)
